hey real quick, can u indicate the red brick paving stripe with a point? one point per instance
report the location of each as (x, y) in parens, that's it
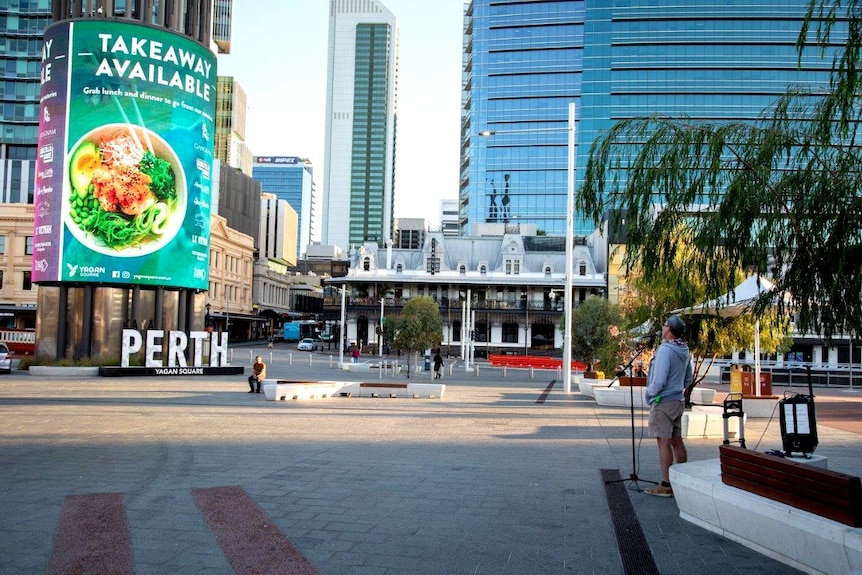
(92, 537)
(251, 542)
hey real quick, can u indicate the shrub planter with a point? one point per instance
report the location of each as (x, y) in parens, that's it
(63, 371)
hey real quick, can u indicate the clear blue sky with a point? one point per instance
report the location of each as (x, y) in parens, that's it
(278, 55)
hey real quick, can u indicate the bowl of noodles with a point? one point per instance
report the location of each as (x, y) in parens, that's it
(125, 194)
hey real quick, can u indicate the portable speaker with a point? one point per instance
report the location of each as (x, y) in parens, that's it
(798, 424)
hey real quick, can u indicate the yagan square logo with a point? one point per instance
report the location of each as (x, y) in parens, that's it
(125, 140)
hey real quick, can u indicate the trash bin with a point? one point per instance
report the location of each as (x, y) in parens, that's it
(748, 387)
(735, 381)
(428, 360)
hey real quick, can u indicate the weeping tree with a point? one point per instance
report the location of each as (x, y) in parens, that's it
(707, 336)
(780, 197)
(418, 327)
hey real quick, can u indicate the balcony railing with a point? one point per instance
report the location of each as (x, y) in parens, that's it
(445, 304)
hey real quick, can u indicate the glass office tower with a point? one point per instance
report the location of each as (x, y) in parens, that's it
(21, 31)
(291, 179)
(616, 59)
(359, 154)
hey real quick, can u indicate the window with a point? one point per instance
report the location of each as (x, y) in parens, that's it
(28, 246)
(483, 269)
(2, 245)
(1, 279)
(456, 330)
(462, 269)
(481, 332)
(27, 283)
(366, 264)
(582, 269)
(399, 268)
(510, 333)
(547, 270)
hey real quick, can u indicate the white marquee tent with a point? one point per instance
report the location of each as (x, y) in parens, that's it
(734, 304)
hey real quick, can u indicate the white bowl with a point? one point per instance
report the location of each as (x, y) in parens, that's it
(175, 222)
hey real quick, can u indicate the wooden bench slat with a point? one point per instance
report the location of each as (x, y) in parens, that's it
(800, 469)
(385, 385)
(787, 475)
(842, 515)
(780, 483)
(632, 381)
(824, 492)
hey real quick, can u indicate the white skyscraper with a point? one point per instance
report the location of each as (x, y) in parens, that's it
(359, 157)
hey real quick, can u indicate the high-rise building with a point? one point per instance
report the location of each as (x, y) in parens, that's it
(278, 223)
(291, 179)
(524, 62)
(231, 112)
(359, 155)
(21, 30)
(222, 12)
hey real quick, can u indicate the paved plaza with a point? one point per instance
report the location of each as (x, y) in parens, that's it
(500, 476)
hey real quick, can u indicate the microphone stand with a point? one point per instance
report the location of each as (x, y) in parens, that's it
(633, 476)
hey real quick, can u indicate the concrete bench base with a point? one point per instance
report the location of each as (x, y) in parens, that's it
(279, 389)
(620, 396)
(805, 541)
(356, 367)
(588, 386)
(706, 422)
(284, 390)
(380, 389)
(760, 407)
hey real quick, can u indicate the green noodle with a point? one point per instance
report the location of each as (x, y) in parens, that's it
(119, 231)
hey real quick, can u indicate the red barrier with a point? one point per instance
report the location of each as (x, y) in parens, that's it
(536, 361)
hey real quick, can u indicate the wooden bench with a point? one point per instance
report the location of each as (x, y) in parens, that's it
(633, 381)
(826, 493)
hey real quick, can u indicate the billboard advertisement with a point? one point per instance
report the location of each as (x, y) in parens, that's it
(124, 168)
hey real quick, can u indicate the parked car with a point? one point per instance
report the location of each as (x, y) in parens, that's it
(5, 359)
(307, 344)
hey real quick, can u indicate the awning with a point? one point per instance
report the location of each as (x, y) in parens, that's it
(239, 316)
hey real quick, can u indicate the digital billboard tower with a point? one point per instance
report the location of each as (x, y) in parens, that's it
(125, 156)
(124, 178)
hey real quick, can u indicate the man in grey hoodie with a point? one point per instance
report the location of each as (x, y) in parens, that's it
(669, 374)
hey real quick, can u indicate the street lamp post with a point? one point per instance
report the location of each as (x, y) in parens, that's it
(570, 237)
(526, 322)
(342, 328)
(380, 335)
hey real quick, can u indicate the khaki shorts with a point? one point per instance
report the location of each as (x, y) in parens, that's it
(665, 419)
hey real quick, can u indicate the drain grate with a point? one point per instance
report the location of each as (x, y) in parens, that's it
(635, 553)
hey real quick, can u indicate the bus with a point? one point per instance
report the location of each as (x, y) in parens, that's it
(300, 329)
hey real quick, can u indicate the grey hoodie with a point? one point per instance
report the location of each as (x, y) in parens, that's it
(669, 372)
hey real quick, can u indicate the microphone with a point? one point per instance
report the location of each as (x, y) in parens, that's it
(649, 339)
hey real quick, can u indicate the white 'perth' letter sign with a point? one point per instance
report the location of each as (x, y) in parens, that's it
(176, 343)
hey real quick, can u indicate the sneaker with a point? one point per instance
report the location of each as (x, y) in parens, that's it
(660, 491)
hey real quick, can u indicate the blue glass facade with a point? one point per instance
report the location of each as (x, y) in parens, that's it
(290, 179)
(525, 62)
(22, 25)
